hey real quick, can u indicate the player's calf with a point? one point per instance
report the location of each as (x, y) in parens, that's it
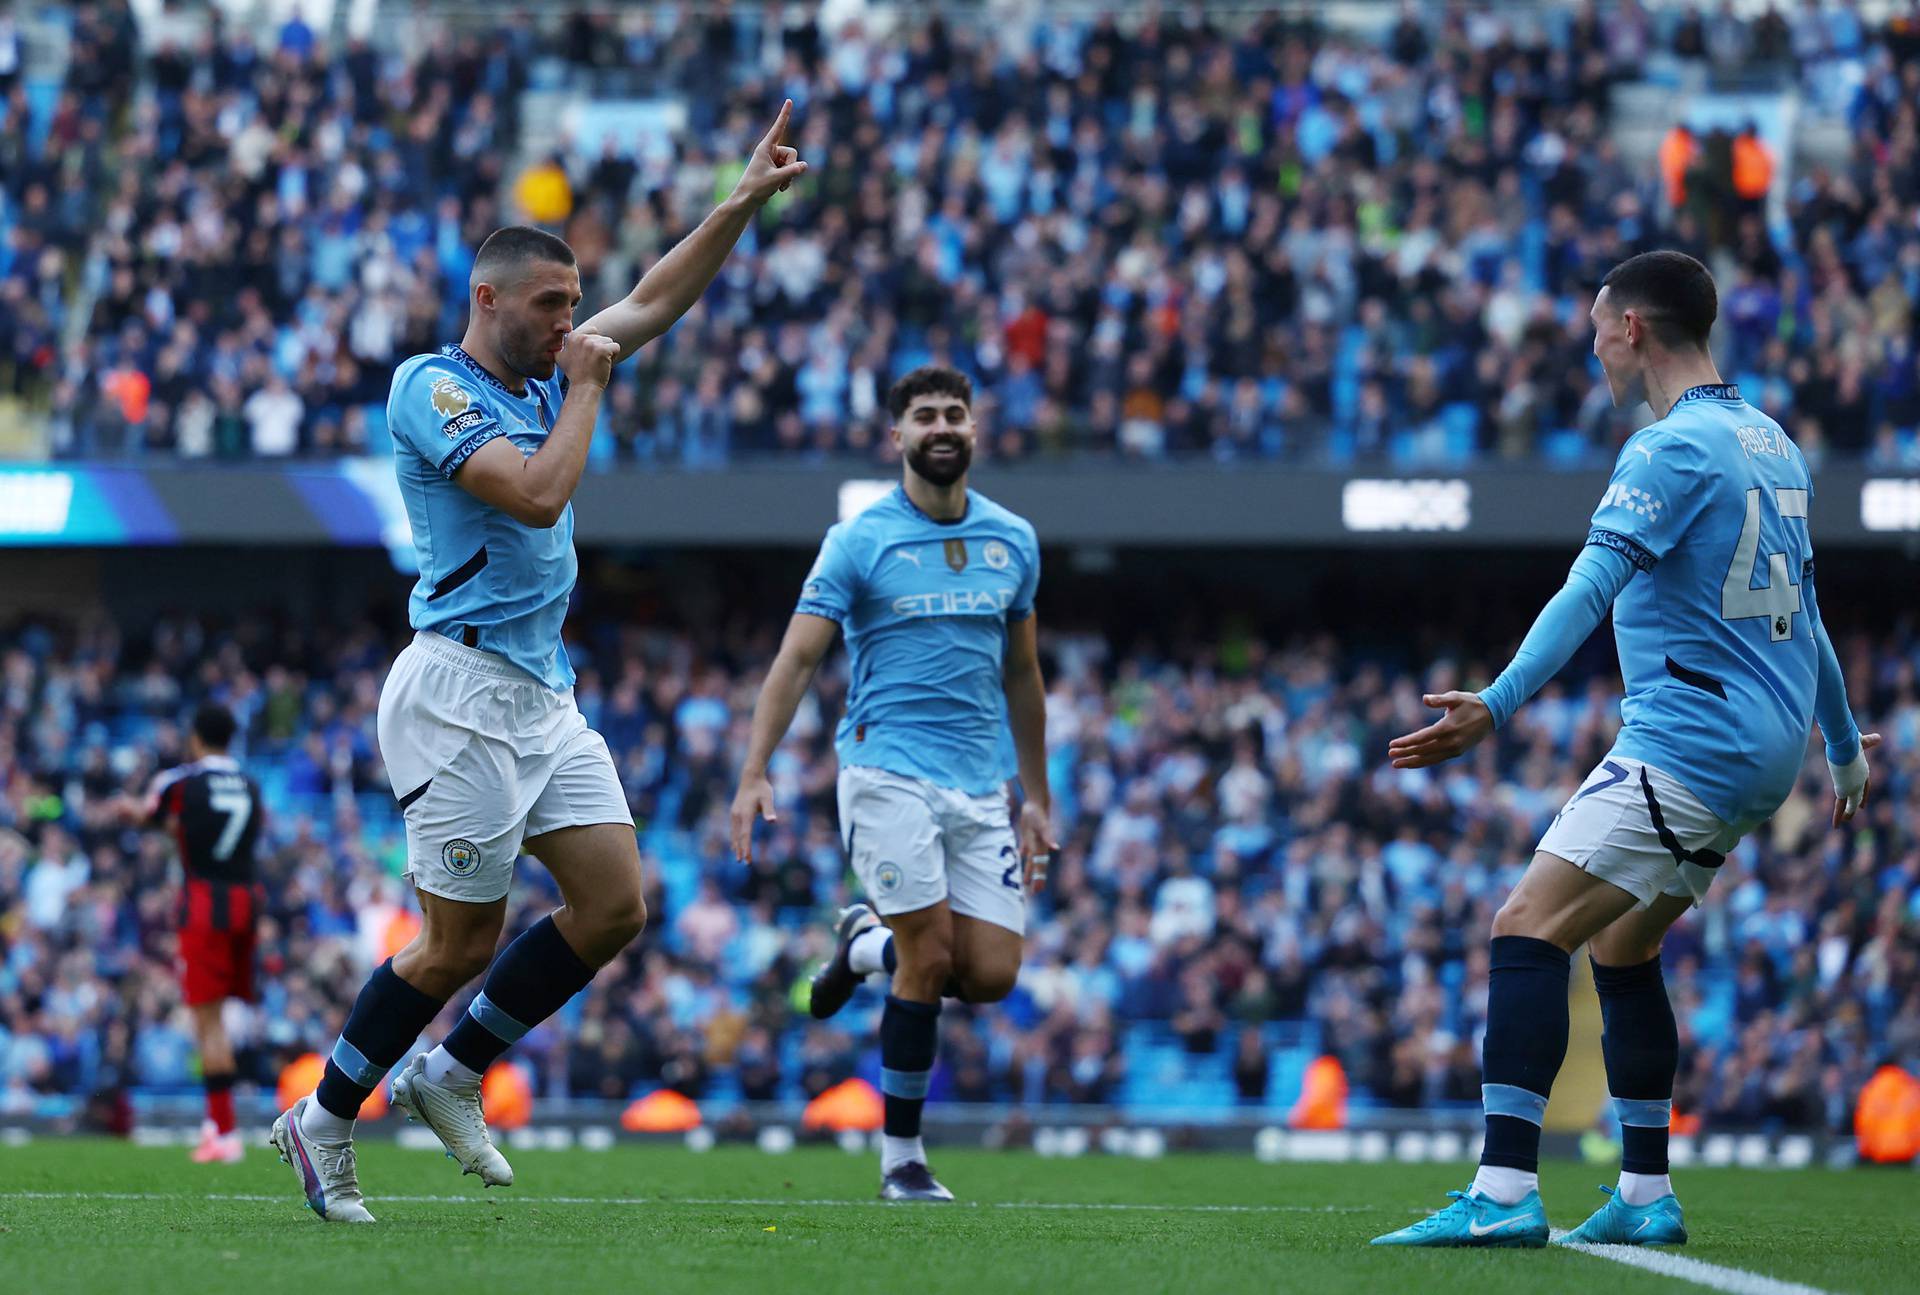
(909, 1041)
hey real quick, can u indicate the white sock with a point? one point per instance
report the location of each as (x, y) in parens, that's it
(442, 1069)
(868, 952)
(1502, 1185)
(322, 1125)
(1644, 1189)
(895, 1152)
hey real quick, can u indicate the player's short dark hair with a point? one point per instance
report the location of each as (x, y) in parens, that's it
(508, 251)
(929, 380)
(1670, 290)
(215, 726)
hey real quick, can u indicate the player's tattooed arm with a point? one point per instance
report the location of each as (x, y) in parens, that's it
(669, 289)
(1027, 715)
(807, 642)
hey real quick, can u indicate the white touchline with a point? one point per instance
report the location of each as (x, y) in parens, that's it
(1735, 1281)
(702, 1201)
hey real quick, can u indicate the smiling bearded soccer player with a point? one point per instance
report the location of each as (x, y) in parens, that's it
(484, 745)
(934, 585)
(1702, 539)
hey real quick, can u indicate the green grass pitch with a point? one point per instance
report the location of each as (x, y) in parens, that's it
(96, 1216)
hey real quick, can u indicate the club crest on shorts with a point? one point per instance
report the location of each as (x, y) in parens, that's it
(460, 856)
(995, 555)
(449, 397)
(887, 878)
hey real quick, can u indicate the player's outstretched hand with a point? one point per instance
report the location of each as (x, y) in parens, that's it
(1465, 724)
(1037, 846)
(773, 165)
(587, 356)
(1851, 782)
(753, 800)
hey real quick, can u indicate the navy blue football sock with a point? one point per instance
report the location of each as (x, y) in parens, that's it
(909, 1037)
(1526, 1042)
(531, 980)
(1641, 1042)
(386, 1018)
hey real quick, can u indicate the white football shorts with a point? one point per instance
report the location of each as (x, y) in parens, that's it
(1637, 827)
(481, 756)
(914, 843)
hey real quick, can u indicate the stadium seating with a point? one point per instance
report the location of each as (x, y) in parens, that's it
(1370, 250)
(1238, 861)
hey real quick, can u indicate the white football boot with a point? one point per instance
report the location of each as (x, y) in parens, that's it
(326, 1170)
(455, 1117)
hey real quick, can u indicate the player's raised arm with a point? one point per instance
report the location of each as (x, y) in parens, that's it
(670, 288)
(1593, 582)
(1027, 716)
(807, 641)
(533, 489)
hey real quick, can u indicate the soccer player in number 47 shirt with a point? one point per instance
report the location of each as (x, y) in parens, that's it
(934, 585)
(1700, 546)
(483, 743)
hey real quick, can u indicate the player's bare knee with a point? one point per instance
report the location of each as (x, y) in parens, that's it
(1611, 948)
(925, 969)
(1521, 916)
(441, 967)
(1516, 917)
(470, 958)
(989, 984)
(624, 919)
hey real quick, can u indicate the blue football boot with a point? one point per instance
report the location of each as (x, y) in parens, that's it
(1476, 1221)
(1617, 1223)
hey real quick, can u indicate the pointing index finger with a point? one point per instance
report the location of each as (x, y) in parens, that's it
(778, 132)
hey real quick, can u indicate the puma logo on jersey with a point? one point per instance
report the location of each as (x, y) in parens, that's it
(907, 555)
(1646, 450)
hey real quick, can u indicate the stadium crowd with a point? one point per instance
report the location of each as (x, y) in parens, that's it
(1243, 878)
(1145, 240)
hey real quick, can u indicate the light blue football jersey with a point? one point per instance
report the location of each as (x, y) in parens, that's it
(479, 568)
(925, 606)
(1710, 504)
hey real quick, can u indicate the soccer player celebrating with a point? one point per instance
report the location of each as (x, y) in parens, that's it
(934, 586)
(483, 743)
(212, 811)
(1702, 539)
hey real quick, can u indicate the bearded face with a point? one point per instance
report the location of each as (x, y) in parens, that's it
(936, 438)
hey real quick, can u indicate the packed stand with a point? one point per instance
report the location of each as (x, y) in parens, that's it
(1155, 240)
(1244, 882)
